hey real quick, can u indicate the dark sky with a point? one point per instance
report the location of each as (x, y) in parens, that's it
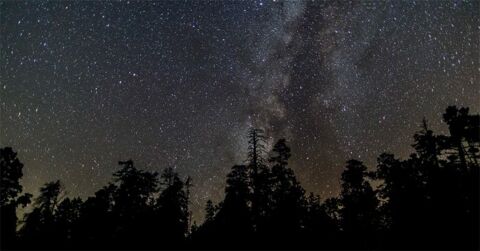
(178, 83)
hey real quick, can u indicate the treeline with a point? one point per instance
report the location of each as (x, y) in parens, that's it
(428, 201)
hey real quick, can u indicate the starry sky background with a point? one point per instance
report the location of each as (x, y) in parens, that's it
(178, 83)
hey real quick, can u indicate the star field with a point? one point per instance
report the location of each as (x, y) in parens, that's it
(178, 83)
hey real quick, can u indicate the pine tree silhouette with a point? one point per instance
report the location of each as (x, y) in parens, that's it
(39, 229)
(259, 176)
(428, 201)
(172, 209)
(358, 206)
(11, 171)
(286, 206)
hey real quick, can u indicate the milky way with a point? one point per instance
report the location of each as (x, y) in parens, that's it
(178, 83)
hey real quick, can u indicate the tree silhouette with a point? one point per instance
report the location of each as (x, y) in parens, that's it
(426, 145)
(462, 194)
(97, 211)
(10, 188)
(172, 207)
(403, 192)
(437, 186)
(459, 126)
(39, 229)
(211, 211)
(259, 177)
(135, 191)
(234, 216)
(321, 223)
(287, 203)
(358, 206)
(429, 200)
(11, 173)
(67, 216)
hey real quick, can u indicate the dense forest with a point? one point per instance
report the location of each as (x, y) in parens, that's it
(428, 201)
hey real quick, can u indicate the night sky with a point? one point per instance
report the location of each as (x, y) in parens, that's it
(85, 84)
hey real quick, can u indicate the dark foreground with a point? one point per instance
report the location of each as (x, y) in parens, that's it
(428, 201)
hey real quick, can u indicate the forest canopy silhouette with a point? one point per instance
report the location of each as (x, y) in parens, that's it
(428, 201)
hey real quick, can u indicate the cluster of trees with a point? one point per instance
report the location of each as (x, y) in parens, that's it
(129, 213)
(428, 201)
